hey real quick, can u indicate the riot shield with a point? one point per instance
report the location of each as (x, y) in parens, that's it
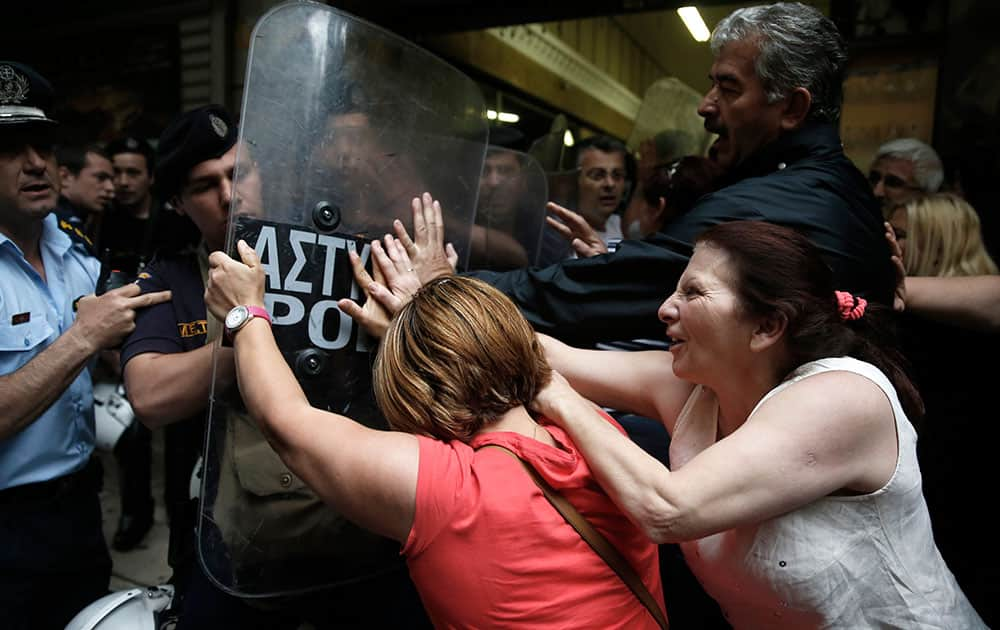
(510, 212)
(668, 123)
(550, 150)
(342, 124)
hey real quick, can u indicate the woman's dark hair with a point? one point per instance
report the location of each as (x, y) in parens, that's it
(776, 270)
(681, 183)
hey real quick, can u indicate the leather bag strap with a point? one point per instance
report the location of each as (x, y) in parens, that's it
(595, 539)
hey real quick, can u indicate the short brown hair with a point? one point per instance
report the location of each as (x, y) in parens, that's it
(455, 359)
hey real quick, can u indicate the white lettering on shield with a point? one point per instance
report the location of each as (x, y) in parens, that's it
(288, 310)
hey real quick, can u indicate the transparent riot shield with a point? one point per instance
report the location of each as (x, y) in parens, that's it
(510, 212)
(668, 124)
(551, 150)
(342, 124)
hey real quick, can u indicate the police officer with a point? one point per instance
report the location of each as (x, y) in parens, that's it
(53, 559)
(87, 187)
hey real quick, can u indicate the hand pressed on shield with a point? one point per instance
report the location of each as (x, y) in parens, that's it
(392, 268)
(431, 258)
(575, 229)
(232, 283)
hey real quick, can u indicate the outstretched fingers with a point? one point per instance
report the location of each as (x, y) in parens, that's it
(563, 229)
(360, 273)
(434, 222)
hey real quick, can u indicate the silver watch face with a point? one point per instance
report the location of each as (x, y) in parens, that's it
(237, 317)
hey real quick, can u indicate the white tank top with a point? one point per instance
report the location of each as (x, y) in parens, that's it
(865, 561)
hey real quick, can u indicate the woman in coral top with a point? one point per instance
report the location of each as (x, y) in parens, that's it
(457, 370)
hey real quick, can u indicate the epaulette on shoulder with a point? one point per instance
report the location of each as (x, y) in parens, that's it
(77, 236)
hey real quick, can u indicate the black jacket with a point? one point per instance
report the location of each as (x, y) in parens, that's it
(803, 180)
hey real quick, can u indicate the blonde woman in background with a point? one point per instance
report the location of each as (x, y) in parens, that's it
(940, 236)
(952, 294)
(950, 277)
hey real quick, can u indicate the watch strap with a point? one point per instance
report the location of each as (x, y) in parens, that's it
(253, 312)
(258, 311)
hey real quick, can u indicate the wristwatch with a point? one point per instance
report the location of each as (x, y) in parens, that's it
(240, 315)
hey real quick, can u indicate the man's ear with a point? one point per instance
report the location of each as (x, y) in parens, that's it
(797, 105)
(64, 175)
(769, 330)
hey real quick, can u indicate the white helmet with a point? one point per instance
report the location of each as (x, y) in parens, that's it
(134, 609)
(112, 413)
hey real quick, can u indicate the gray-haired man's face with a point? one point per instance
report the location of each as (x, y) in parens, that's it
(736, 106)
(893, 181)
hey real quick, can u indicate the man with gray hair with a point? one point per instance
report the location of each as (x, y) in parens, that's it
(904, 168)
(775, 104)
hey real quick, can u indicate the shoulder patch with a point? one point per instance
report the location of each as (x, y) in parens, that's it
(77, 236)
(193, 329)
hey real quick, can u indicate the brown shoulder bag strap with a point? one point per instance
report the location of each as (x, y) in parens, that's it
(595, 539)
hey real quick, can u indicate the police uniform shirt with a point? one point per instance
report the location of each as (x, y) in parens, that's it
(33, 314)
(179, 325)
(173, 327)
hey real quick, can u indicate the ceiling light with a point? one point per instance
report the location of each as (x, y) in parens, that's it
(506, 117)
(694, 23)
(568, 138)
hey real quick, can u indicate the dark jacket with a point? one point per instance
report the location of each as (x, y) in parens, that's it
(803, 180)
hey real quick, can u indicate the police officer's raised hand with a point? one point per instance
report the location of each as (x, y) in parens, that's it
(232, 283)
(104, 321)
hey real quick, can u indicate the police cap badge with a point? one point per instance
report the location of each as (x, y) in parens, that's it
(24, 95)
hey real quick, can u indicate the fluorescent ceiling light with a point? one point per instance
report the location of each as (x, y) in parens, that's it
(694, 23)
(506, 117)
(568, 138)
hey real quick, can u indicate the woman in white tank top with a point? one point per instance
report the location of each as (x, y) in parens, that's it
(793, 488)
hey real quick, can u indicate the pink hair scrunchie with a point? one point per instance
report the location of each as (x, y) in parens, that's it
(851, 308)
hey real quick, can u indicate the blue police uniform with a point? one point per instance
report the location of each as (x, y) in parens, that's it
(50, 520)
(34, 313)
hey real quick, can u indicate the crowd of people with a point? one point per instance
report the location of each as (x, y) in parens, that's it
(527, 475)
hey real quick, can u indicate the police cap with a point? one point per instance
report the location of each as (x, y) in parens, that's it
(132, 144)
(193, 137)
(25, 95)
